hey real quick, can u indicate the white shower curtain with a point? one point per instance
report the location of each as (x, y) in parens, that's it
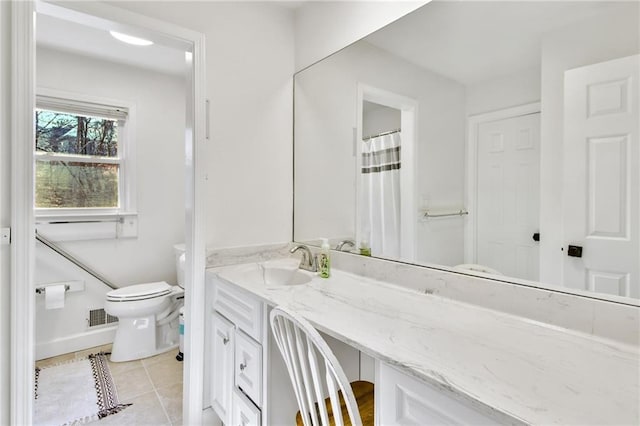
(380, 178)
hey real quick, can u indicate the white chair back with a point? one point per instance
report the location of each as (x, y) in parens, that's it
(313, 369)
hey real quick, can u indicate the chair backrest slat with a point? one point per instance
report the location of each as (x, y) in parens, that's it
(297, 366)
(284, 343)
(317, 383)
(333, 397)
(302, 347)
(307, 385)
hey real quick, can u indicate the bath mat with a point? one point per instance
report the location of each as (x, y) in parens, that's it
(75, 392)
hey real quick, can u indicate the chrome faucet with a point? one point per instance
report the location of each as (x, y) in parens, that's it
(349, 243)
(308, 261)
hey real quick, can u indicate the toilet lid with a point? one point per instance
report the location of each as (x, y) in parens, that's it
(140, 291)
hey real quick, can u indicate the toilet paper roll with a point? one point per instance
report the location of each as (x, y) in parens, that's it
(54, 296)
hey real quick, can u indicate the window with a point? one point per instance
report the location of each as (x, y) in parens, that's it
(77, 163)
(80, 164)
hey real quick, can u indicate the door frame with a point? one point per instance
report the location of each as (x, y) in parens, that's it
(471, 191)
(408, 190)
(22, 200)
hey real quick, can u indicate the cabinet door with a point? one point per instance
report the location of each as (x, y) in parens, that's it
(248, 367)
(404, 400)
(221, 380)
(244, 412)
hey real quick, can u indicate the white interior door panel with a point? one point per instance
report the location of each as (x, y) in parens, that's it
(601, 178)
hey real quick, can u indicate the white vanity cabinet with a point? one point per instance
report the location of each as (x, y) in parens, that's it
(405, 400)
(236, 355)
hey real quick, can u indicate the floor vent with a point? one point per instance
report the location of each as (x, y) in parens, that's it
(98, 317)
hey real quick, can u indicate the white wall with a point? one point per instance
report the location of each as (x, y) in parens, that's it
(324, 27)
(326, 97)
(586, 42)
(5, 211)
(379, 119)
(159, 101)
(250, 61)
(504, 92)
(249, 54)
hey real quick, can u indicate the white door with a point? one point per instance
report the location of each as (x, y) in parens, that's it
(509, 195)
(601, 178)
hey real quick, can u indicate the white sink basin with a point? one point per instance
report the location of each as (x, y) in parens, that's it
(284, 272)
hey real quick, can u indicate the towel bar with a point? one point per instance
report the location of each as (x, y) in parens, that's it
(460, 212)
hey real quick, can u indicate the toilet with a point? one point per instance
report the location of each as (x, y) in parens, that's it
(147, 316)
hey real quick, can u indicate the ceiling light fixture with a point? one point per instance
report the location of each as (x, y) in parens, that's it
(130, 39)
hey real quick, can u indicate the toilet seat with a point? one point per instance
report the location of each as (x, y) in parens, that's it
(139, 292)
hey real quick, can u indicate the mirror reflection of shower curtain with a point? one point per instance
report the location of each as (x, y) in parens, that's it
(380, 174)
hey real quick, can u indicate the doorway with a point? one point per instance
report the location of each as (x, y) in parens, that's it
(386, 109)
(23, 245)
(504, 191)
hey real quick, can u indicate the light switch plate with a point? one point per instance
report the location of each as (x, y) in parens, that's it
(5, 236)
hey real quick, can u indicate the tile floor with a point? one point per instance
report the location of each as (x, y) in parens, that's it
(153, 385)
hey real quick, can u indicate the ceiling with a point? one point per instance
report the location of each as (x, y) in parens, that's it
(70, 36)
(67, 30)
(474, 41)
(467, 41)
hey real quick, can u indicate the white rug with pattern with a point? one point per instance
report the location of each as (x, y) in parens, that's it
(75, 392)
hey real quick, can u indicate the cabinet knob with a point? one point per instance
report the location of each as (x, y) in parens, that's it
(243, 366)
(225, 340)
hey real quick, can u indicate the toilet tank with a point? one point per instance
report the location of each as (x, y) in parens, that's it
(179, 251)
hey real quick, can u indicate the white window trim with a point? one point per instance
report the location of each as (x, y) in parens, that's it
(79, 224)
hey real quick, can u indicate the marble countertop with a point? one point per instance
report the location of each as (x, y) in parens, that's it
(518, 371)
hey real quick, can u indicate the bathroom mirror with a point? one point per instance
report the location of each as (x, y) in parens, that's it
(497, 138)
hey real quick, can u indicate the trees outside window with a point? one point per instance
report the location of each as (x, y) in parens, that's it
(77, 161)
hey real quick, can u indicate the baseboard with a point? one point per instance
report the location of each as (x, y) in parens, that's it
(75, 342)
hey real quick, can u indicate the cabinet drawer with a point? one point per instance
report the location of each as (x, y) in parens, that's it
(244, 412)
(248, 367)
(240, 307)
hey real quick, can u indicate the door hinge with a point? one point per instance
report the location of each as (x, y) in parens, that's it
(5, 236)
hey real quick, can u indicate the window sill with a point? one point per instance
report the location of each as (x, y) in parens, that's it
(87, 226)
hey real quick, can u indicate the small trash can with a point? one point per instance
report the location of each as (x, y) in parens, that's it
(180, 355)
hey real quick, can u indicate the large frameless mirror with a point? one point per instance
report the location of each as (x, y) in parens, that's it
(494, 138)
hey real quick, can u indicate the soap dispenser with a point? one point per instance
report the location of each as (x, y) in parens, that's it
(324, 261)
(365, 248)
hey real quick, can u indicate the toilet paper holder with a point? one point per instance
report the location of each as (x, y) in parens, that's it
(70, 285)
(41, 290)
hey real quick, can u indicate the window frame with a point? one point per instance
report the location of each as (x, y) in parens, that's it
(126, 161)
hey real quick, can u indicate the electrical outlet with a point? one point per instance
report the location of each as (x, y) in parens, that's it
(5, 236)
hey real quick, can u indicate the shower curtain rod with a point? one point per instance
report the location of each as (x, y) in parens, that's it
(382, 134)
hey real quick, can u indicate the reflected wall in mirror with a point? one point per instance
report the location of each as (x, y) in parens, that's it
(499, 138)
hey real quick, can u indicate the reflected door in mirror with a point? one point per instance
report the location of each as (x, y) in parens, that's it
(601, 163)
(509, 195)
